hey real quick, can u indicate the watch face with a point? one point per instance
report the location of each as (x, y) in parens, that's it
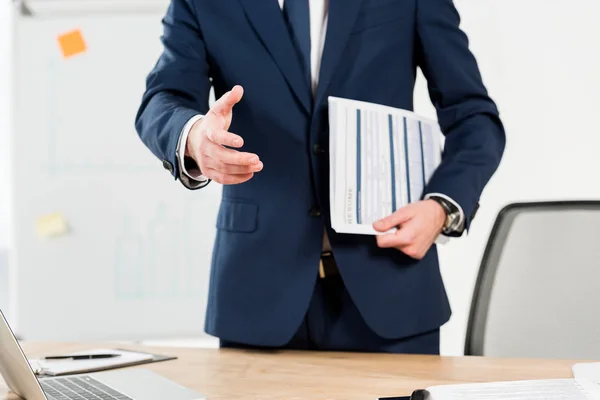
(450, 221)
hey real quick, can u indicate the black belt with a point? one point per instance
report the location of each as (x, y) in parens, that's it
(327, 265)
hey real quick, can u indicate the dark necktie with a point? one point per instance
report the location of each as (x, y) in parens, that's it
(297, 15)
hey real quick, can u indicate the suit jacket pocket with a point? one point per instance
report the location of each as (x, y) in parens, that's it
(237, 216)
(373, 16)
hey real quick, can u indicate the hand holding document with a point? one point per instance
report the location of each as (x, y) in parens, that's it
(381, 159)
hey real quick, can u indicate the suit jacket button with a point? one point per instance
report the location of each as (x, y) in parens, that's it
(318, 150)
(168, 166)
(314, 212)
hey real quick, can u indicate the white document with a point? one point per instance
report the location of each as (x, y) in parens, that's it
(381, 159)
(588, 371)
(66, 366)
(548, 389)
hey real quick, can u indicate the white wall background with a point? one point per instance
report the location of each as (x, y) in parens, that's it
(545, 82)
(6, 40)
(539, 63)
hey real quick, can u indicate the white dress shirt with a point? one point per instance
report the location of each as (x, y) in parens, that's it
(318, 31)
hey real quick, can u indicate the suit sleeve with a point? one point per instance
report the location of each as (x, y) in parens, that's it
(469, 119)
(178, 86)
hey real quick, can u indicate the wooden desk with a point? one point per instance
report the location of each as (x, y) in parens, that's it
(233, 374)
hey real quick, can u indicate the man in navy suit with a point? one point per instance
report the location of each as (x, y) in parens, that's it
(280, 276)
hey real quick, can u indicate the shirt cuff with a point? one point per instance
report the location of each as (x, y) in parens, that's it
(442, 239)
(194, 174)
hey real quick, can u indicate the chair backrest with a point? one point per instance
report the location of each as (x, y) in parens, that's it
(538, 289)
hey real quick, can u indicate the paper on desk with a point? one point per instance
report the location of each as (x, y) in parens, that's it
(548, 389)
(588, 371)
(62, 367)
(380, 160)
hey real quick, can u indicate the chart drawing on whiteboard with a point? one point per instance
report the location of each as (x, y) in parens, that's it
(147, 268)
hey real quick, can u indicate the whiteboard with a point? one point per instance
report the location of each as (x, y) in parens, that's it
(51, 8)
(135, 261)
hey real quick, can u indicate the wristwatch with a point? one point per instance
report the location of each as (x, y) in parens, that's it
(451, 225)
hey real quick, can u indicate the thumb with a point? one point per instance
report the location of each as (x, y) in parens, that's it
(398, 218)
(225, 104)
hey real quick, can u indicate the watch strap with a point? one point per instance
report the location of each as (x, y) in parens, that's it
(452, 214)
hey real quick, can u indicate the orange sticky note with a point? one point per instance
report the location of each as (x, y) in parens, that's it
(72, 43)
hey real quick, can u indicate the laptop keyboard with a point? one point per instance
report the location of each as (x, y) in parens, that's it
(79, 388)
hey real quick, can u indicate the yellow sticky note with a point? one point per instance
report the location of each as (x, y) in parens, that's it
(51, 225)
(72, 43)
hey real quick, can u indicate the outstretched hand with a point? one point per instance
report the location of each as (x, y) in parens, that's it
(209, 137)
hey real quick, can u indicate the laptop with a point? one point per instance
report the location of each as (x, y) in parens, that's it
(124, 384)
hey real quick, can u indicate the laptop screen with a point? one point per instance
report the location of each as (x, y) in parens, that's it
(14, 367)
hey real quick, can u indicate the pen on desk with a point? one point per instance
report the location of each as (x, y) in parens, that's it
(421, 394)
(82, 357)
(394, 398)
(416, 395)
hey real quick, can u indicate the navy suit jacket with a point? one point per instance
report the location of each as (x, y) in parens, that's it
(268, 243)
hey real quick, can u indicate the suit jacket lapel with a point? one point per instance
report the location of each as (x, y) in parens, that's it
(342, 15)
(269, 24)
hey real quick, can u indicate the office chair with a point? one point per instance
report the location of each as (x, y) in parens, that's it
(538, 290)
